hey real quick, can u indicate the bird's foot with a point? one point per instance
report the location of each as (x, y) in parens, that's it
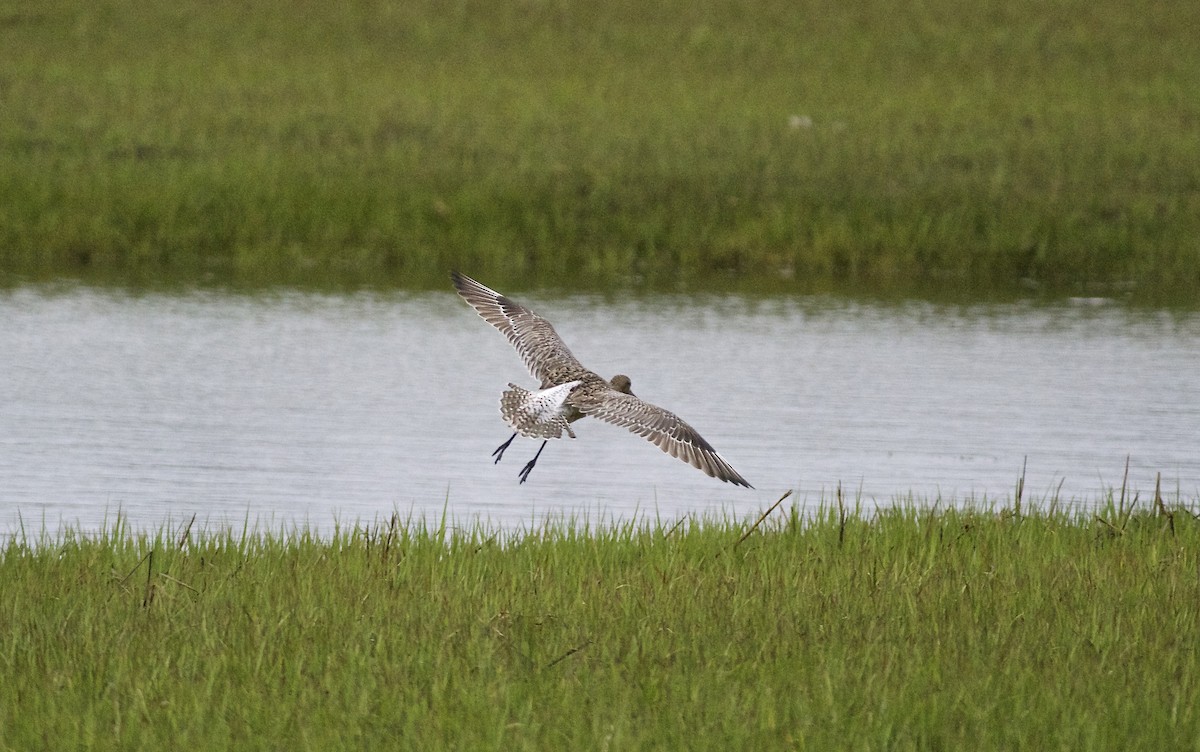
(499, 453)
(525, 471)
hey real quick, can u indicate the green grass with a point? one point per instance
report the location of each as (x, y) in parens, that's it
(806, 145)
(907, 628)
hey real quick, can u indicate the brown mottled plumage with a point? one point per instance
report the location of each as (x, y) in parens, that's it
(570, 392)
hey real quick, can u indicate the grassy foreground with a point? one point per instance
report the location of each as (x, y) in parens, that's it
(906, 629)
(951, 143)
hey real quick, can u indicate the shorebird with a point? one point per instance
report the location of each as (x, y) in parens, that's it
(569, 391)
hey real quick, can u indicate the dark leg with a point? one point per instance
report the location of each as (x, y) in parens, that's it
(525, 471)
(499, 453)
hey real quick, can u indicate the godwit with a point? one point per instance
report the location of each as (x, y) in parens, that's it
(569, 391)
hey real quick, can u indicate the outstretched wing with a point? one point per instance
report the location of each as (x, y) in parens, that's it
(663, 428)
(543, 351)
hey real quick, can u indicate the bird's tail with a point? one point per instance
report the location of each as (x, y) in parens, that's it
(540, 414)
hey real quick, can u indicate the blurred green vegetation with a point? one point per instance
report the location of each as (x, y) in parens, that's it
(784, 145)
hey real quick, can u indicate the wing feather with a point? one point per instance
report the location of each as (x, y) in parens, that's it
(663, 428)
(540, 347)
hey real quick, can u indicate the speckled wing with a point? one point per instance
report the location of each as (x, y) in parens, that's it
(663, 428)
(535, 340)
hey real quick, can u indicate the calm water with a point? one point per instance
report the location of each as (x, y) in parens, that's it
(306, 409)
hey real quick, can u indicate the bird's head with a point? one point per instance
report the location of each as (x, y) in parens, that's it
(621, 383)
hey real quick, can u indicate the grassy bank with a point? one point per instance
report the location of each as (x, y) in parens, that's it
(899, 629)
(802, 145)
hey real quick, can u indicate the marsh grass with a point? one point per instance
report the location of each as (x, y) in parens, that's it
(918, 626)
(801, 145)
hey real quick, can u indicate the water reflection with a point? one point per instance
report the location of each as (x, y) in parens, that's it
(301, 408)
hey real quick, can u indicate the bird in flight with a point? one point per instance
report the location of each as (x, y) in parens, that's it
(569, 391)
